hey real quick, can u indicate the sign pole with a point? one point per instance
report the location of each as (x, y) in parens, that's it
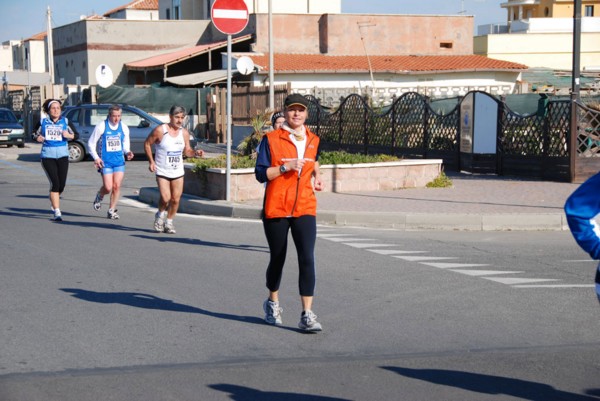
(228, 173)
(229, 17)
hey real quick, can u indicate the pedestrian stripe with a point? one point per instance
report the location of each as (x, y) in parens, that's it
(349, 239)
(483, 272)
(555, 286)
(453, 265)
(420, 258)
(461, 268)
(363, 245)
(392, 251)
(514, 281)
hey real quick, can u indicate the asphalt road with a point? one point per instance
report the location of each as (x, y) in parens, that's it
(94, 309)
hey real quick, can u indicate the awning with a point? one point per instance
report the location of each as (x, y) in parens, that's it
(206, 78)
(163, 61)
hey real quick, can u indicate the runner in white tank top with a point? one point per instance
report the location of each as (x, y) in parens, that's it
(171, 143)
(169, 154)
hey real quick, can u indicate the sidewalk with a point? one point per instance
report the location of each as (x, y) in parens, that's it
(474, 202)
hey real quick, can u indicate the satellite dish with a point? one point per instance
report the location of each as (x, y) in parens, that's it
(104, 76)
(245, 65)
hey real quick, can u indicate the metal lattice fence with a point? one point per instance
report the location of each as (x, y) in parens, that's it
(535, 145)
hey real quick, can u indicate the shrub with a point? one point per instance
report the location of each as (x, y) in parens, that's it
(221, 162)
(340, 157)
(441, 181)
(337, 157)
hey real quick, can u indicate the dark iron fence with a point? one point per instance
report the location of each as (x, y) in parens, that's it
(533, 145)
(587, 141)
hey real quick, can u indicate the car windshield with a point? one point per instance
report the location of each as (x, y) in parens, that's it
(7, 117)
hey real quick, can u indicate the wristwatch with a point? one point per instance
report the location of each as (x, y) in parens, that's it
(282, 169)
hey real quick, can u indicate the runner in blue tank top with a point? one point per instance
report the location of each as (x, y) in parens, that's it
(114, 148)
(54, 132)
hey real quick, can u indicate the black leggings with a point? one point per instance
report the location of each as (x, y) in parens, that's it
(304, 234)
(56, 171)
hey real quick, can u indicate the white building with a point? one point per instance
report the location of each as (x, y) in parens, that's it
(539, 33)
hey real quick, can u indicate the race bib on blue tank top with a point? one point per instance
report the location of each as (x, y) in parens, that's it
(54, 132)
(113, 143)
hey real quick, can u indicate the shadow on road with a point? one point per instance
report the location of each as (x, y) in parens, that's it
(195, 241)
(46, 214)
(147, 301)
(487, 384)
(33, 196)
(29, 157)
(241, 393)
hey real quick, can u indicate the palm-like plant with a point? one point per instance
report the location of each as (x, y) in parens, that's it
(260, 122)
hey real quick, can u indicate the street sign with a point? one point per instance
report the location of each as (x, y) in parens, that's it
(229, 16)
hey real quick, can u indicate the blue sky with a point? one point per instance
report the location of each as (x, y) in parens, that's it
(14, 24)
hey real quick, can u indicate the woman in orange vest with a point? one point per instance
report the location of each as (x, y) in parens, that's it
(287, 161)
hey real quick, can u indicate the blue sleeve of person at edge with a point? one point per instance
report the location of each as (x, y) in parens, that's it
(581, 208)
(263, 160)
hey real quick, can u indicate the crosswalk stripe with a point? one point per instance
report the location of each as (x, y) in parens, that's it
(420, 258)
(452, 265)
(482, 272)
(461, 268)
(514, 281)
(364, 245)
(393, 251)
(555, 286)
(348, 239)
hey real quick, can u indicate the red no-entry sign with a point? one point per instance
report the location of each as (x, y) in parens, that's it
(229, 16)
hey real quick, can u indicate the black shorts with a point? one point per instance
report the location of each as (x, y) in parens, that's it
(169, 178)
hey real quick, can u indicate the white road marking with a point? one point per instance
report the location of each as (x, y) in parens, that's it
(393, 251)
(461, 268)
(514, 281)
(452, 265)
(420, 258)
(348, 239)
(482, 272)
(364, 245)
(140, 205)
(555, 286)
(134, 203)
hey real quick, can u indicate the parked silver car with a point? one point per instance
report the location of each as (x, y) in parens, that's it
(11, 131)
(86, 116)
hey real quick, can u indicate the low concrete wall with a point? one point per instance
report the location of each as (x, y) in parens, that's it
(211, 183)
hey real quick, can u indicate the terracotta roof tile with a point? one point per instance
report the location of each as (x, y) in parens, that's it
(309, 63)
(38, 36)
(135, 5)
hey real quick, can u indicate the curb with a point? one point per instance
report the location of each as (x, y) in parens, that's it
(385, 220)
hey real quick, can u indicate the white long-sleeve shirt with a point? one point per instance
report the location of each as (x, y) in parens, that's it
(99, 131)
